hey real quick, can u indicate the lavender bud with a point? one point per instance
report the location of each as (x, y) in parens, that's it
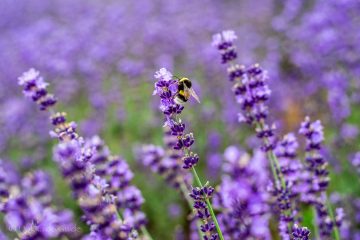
(300, 233)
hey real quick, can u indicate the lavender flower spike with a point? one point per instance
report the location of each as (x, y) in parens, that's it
(224, 42)
(77, 160)
(252, 94)
(166, 87)
(200, 195)
(27, 206)
(35, 88)
(318, 178)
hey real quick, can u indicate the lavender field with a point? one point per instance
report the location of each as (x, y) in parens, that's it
(184, 120)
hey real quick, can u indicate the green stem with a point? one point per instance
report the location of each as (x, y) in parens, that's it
(331, 213)
(208, 205)
(185, 192)
(274, 162)
(275, 168)
(213, 216)
(146, 233)
(316, 229)
(119, 215)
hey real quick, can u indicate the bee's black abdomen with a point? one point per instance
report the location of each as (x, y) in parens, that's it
(182, 98)
(181, 86)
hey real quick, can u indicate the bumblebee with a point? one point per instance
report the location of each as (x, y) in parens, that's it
(185, 91)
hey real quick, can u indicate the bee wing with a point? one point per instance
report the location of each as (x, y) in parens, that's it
(194, 95)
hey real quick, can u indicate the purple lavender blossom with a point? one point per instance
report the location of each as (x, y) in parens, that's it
(151, 156)
(39, 185)
(104, 196)
(252, 94)
(339, 216)
(334, 49)
(199, 195)
(35, 88)
(349, 132)
(166, 163)
(74, 161)
(28, 209)
(291, 167)
(300, 233)
(2, 236)
(224, 42)
(317, 178)
(242, 196)
(194, 231)
(174, 210)
(166, 88)
(316, 164)
(356, 161)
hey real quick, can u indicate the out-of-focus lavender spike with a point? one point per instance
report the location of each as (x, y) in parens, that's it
(35, 88)
(317, 177)
(166, 161)
(293, 171)
(114, 177)
(119, 174)
(194, 234)
(39, 185)
(291, 167)
(315, 163)
(242, 195)
(349, 132)
(356, 161)
(339, 216)
(3, 236)
(101, 155)
(224, 43)
(77, 160)
(151, 156)
(89, 189)
(27, 208)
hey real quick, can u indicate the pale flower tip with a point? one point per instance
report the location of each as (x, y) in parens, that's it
(30, 74)
(216, 39)
(224, 36)
(163, 74)
(229, 35)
